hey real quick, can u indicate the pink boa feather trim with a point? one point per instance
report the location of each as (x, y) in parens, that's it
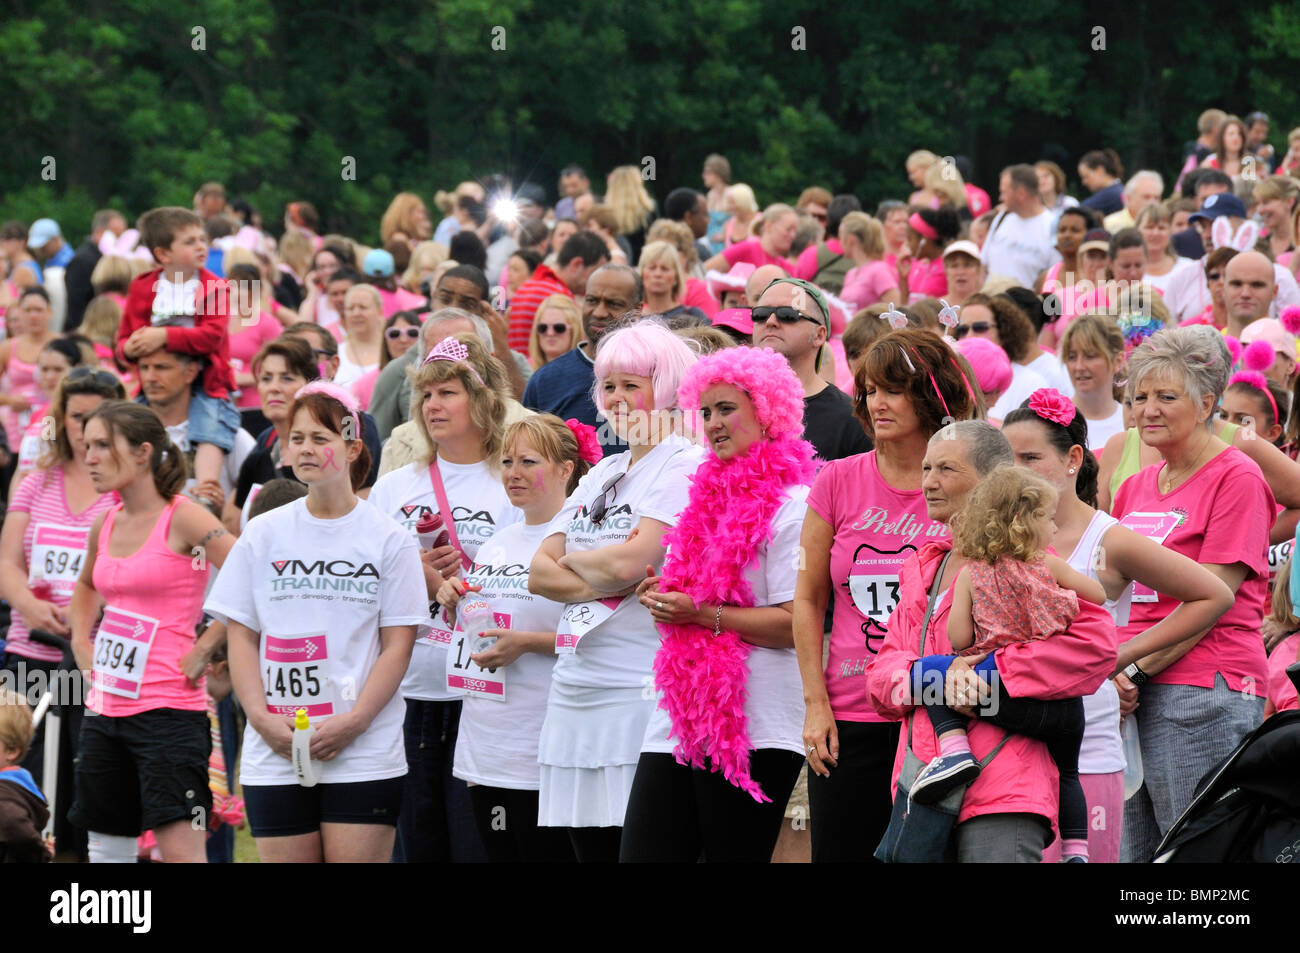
(718, 535)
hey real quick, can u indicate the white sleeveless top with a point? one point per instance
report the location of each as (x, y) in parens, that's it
(1101, 751)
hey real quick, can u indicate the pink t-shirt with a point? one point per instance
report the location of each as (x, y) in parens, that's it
(59, 537)
(363, 388)
(876, 528)
(806, 266)
(399, 300)
(752, 251)
(697, 296)
(1223, 515)
(244, 345)
(864, 285)
(1280, 690)
(926, 280)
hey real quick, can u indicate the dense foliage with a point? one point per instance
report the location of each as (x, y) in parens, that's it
(138, 102)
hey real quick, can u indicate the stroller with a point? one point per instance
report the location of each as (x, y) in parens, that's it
(53, 717)
(1246, 810)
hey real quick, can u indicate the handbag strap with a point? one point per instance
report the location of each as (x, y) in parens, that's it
(920, 648)
(444, 510)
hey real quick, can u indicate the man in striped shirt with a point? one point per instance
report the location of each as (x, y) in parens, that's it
(582, 254)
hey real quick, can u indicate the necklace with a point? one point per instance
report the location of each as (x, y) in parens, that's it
(1171, 478)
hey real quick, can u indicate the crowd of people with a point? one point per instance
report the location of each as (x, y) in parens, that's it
(618, 529)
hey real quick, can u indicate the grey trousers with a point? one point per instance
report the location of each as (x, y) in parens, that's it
(1184, 731)
(1002, 839)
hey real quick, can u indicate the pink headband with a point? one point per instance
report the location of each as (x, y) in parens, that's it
(449, 349)
(344, 397)
(1256, 380)
(922, 227)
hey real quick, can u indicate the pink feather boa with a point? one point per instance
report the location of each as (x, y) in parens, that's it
(728, 517)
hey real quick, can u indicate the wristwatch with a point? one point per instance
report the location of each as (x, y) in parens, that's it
(1136, 675)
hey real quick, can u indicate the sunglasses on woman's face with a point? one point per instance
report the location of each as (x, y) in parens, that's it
(552, 329)
(1213, 276)
(395, 334)
(976, 327)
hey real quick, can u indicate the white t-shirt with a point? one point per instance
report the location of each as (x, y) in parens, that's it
(479, 507)
(1187, 294)
(1101, 751)
(1161, 282)
(1023, 383)
(1020, 248)
(1049, 368)
(1099, 431)
(304, 584)
(350, 372)
(497, 743)
(619, 652)
(174, 305)
(774, 708)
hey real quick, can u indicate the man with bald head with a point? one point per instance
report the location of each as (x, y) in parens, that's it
(1249, 287)
(792, 318)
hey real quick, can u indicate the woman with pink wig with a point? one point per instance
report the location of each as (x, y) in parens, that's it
(601, 544)
(723, 747)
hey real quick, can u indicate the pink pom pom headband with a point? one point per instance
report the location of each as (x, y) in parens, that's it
(449, 349)
(1259, 382)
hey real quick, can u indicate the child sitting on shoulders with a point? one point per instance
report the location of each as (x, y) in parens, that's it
(182, 307)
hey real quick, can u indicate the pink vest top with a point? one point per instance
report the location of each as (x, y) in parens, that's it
(154, 602)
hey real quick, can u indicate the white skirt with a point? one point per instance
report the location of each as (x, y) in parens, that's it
(588, 751)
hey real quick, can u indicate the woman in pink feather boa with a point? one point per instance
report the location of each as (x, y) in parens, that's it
(723, 747)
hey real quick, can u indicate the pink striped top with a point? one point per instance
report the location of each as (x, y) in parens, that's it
(154, 602)
(59, 537)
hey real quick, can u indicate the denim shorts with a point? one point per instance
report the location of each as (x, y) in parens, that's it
(213, 421)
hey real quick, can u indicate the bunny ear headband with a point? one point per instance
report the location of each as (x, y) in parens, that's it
(126, 246)
(1243, 240)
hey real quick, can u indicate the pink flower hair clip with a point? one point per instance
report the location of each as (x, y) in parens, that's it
(449, 349)
(588, 443)
(1051, 404)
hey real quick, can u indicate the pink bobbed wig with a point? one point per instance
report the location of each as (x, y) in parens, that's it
(991, 365)
(645, 349)
(764, 375)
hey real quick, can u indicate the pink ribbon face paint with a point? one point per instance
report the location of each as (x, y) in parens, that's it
(328, 463)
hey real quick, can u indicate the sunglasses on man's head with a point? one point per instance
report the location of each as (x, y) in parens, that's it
(976, 327)
(395, 334)
(785, 314)
(552, 328)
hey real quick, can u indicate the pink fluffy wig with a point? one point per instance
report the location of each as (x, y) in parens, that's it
(764, 375)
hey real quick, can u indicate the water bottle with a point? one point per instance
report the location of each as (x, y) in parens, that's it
(302, 763)
(431, 531)
(476, 617)
(1128, 732)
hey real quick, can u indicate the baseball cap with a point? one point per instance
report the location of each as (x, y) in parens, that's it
(531, 193)
(737, 318)
(1097, 239)
(1219, 205)
(812, 290)
(1270, 330)
(378, 263)
(963, 247)
(42, 230)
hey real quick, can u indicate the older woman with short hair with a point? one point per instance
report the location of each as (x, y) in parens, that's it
(1209, 502)
(664, 282)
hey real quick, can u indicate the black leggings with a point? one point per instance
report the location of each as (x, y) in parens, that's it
(507, 824)
(1059, 724)
(850, 809)
(675, 812)
(595, 845)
